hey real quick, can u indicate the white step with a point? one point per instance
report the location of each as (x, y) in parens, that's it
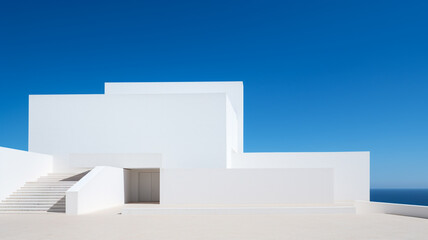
(50, 184)
(23, 212)
(63, 174)
(49, 187)
(61, 203)
(55, 177)
(23, 200)
(65, 183)
(36, 191)
(63, 189)
(31, 206)
(51, 203)
(40, 200)
(45, 186)
(41, 197)
(46, 194)
(47, 206)
(71, 172)
(54, 180)
(68, 183)
(31, 209)
(34, 196)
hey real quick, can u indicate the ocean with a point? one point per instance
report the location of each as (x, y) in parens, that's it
(404, 196)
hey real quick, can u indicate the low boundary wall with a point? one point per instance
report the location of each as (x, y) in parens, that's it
(18, 167)
(101, 188)
(364, 207)
(351, 169)
(246, 186)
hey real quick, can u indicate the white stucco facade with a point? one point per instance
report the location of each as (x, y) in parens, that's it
(189, 137)
(189, 130)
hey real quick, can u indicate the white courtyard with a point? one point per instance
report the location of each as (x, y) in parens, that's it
(278, 226)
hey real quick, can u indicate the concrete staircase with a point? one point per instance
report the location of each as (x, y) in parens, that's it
(46, 194)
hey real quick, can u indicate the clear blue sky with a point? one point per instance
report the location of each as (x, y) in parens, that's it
(318, 75)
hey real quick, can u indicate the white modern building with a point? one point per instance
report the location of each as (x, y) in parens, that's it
(171, 144)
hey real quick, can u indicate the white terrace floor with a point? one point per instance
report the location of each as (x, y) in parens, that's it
(154, 209)
(105, 226)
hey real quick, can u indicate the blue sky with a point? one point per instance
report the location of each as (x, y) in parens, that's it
(318, 75)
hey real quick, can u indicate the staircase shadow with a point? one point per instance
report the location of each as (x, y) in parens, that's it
(76, 177)
(58, 207)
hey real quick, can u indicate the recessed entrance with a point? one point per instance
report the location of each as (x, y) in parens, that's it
(142, 185)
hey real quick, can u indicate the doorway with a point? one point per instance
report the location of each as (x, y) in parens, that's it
(142, 186)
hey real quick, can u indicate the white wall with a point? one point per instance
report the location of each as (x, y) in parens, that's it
(234, 91)
(189, 130)
(366, 207)
(246, 186)
(351, 169)
(18, 167)
(121, 160)
(101, 188)
(232, 132)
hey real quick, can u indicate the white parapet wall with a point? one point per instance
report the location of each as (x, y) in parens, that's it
(101, 188)
(351, 169)
(366, 207)
(120, 160)
(18, 167)
(246, 186)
